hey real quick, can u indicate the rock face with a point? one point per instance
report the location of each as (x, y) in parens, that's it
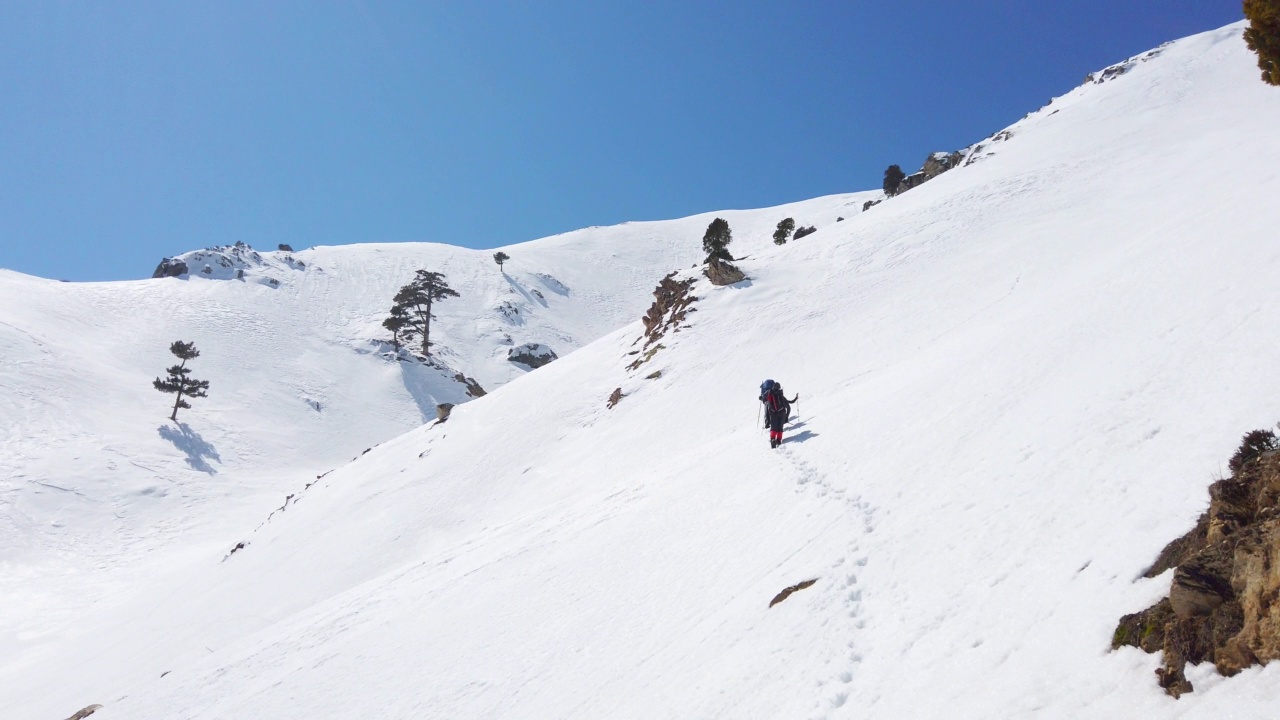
(442, 411)
(1224, 602)
(473, 387)
(85, 712)
(615, 397)
(722, 272)
(534, 355)
(170, 267)
(672, 301)
(934, 165)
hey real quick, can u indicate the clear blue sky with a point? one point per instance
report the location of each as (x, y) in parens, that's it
(134, 130)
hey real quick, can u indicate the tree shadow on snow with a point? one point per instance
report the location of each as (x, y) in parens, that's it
(801, 437)
(196, 448)
(415, 378)
(540, 299)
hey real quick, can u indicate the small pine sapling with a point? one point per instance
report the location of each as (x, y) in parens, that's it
(180, 381)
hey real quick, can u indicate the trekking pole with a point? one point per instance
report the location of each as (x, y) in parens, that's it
(758, 406)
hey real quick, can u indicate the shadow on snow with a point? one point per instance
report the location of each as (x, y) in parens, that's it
(197, 449)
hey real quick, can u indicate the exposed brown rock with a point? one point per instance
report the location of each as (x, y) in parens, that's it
(614, 398)
(1203, 582)
(473, 387)
(85, 712)
(786, 592)
(1224, 601)
(723, 272)
(442, 411)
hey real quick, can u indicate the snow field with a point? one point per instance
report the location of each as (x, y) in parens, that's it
(1016, 381)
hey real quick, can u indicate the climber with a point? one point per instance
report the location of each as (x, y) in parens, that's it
(777, 410)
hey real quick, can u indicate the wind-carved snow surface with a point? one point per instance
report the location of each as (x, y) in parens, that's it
(1015, 382)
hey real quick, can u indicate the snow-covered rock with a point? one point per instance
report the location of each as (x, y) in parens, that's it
(532, 355)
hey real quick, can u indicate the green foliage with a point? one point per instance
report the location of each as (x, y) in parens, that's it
(500, 257)
(801, 232)
(716, 240)
(179, 381)
(1263, 36)
(410, 314)
(1252, 446)
(784, 231)
(396, 322)
(892, 179)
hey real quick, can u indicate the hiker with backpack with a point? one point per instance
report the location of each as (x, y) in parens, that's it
(777, 410)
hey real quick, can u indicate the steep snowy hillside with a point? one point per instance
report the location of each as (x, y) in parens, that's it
(1015, 382)
(99, 491)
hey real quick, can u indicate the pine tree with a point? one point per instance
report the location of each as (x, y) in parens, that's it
(1263, 36)
(396, 322)
(500, 257)
(180, 381)
(784, 231)
(716, 240)
(411, 308)
(892, 179)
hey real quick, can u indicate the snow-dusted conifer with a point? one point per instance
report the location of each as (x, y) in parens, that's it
(500, 257)
(413, 304)
(180, 381)
(784, 231)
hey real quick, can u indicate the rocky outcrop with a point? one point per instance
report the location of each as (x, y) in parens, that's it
(615, 397)
(170, 267)
(1224, 600)
(672, 301)
(85, 712)
(473, 387)
(442, 411)
(936, 164)
(723, 272)
(786, 592)
(533, 355)
(282, 247)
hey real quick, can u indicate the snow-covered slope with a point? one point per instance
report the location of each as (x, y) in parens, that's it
(1015, 382)
(98, 490)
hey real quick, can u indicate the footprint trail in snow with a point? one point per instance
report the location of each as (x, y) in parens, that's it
(841, 596)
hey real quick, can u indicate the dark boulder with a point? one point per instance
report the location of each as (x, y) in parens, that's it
(170, 267)
(723, 272)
